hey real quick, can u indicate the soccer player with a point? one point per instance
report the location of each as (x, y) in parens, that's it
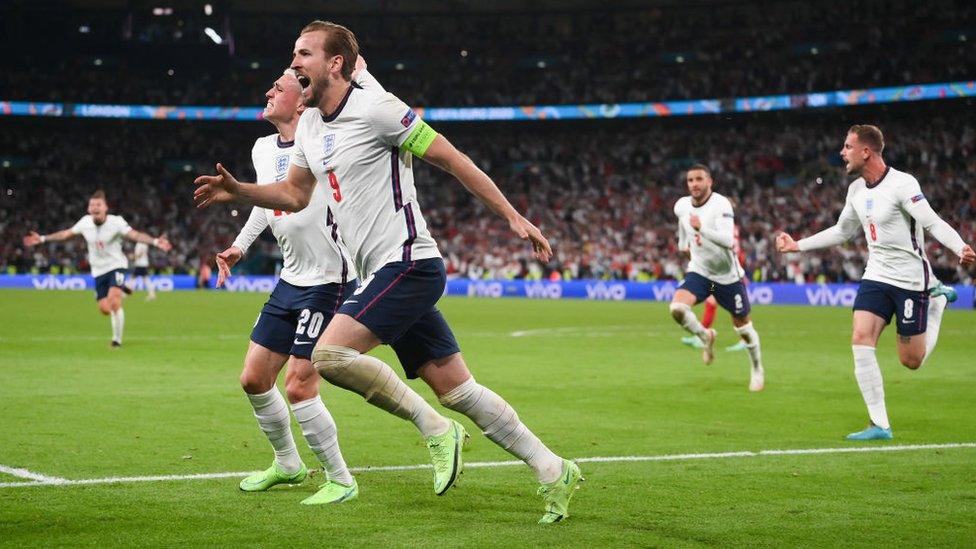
(362, 144)
(317, 276)
(706, 223)
(104, 234)
(140, 260)
(892, 211)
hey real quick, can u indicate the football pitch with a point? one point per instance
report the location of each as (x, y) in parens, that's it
(99, 446)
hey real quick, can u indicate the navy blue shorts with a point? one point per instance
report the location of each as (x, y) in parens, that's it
(140, 271)
(398, 303)
(294, 316)
(103, 282)
(911, 307)
(732, 297)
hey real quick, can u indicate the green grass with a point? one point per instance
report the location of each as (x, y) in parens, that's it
(591, 378)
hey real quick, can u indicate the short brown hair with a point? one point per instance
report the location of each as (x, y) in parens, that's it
(701, 167)
(338, 41)
(100, 194)
(869, 135)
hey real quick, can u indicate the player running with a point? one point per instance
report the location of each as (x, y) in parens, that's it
(104, 234)
(892, 211)
(361, 144)
(706, 223)
(316, 278)
(140, 264)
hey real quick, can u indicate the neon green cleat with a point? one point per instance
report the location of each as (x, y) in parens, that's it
(740, 346)
(445, 455)
(333, 492)
(272, 476)
(557, 494)
(693, 342)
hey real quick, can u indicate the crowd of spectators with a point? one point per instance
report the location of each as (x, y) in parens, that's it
(602, 192)
(502, 58)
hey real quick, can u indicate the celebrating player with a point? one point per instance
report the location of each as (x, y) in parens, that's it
(892, 211)
(104, 233)
(706, 223)
(317, 276)
(361, 144)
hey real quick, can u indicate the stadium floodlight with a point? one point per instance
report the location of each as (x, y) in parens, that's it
(207, 9)
(212, 34)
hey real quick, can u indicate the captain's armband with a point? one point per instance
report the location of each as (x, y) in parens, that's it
(420, 139)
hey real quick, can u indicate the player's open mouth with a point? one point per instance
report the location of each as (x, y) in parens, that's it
(304, 81)
(269, 106)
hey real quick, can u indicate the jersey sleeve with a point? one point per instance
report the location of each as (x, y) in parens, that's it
(914, 203)
(720, 229)
(122, 226)
(256, 222)
(79, 225)
(398, 125)
(298, 151)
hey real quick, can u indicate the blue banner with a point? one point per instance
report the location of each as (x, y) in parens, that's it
(760, 293)
(839, 98)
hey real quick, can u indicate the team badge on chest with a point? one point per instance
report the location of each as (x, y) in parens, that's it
(328, 144)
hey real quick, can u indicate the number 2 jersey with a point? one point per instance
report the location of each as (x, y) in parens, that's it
(361, 154)
(712, 248)
(892, 213)
(104, 242)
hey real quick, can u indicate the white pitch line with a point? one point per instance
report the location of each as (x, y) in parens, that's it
(30, 475)
(42, 480)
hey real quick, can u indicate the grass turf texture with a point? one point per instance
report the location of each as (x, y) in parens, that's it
(590, 378)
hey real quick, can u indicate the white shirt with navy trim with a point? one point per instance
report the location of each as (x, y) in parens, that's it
(104, 243)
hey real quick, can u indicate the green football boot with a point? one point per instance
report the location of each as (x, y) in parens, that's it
(272, 476)
(445, 456)
(557, 494)
(693, 342)
(333, 492)
(948, 291)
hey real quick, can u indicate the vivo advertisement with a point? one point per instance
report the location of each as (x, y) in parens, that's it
(823, 295)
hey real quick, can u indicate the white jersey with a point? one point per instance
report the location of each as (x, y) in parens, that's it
(896, 242)
(311, 249)
(712, 247)
(140, 255)
(104, 243)
(356, 154)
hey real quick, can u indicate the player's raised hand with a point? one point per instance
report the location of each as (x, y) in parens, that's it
(163, 243)
(225, 260)
(786, 244)
(32, 239)
(527, 231)
(968, 257)
(212, 189)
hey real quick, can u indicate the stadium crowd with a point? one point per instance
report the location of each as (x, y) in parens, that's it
(501, 58)
(602, 192)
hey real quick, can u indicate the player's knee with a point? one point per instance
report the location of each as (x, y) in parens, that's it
(678, 310)
(331, 361)
(862, 337)
(911, 361)
(104, 308)
(253, 383)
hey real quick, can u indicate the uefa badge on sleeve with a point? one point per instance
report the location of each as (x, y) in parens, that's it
(408, 118)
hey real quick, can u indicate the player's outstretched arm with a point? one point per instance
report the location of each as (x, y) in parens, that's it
(846, 228)
(160, 242)
(226, 261)
(291, 195)
(920, 209)
(445, 156)
(33, 238)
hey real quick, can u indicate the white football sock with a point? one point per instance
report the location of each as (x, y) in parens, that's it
(868, 375)
(322, 436)
(118, 323)
(686, 317)
(499, 422)
(937, 306)
(271, 411)
(371, 378)
(149, 287)
(751, 337)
